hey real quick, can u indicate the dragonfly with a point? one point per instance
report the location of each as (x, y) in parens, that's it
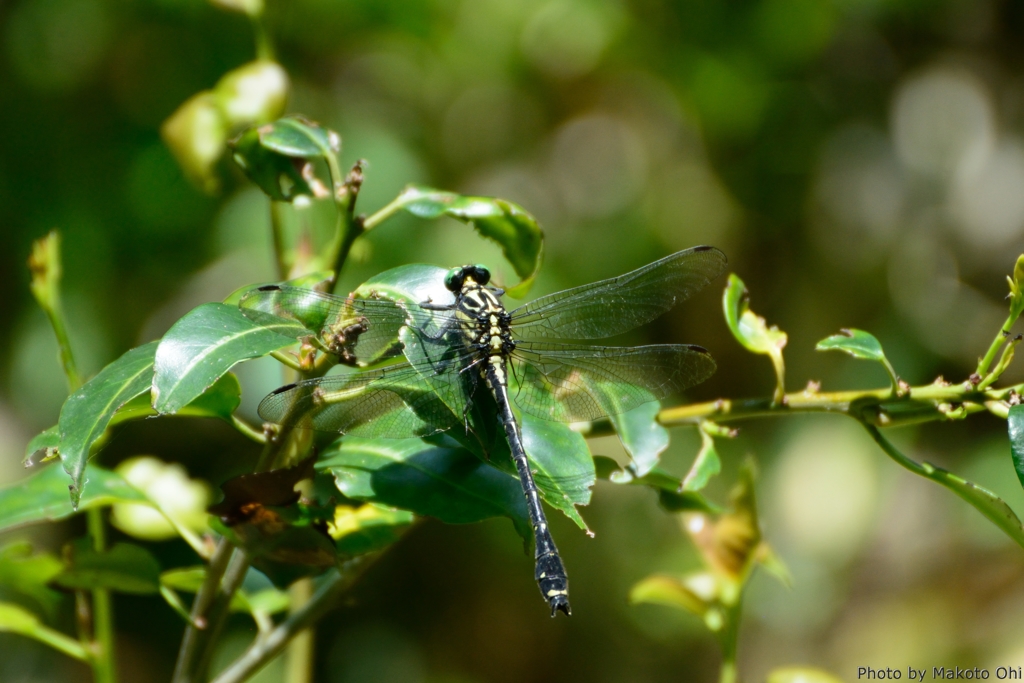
(459, 351)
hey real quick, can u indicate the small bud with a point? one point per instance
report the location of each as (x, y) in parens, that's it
(254, 93)
(196, 135)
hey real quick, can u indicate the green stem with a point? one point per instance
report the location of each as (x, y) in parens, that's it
(299, 658)
(47, 270)
(1004, 362)
(264, 47)
(779, 397)
(895, 453)
(284, 264)
(102, 609)
(729, 640)
(348, 226)
(264, 649)
(287, 360)
(248, 430)
(62, 643)
(389, 210)
(67, 358)
(1001, 336)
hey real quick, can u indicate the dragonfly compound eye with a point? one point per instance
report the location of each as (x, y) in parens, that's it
(453, 280)
(480, 273)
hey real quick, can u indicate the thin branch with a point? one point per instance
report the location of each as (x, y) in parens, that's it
(189, 650)
(103, 614)
(927, 403)
(265, 648)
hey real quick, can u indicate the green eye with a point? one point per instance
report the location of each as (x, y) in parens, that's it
(453, 279)
(481, 274)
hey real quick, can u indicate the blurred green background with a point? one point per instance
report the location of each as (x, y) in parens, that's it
(860, 162)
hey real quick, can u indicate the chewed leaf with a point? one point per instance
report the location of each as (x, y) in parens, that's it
(42, 447)
(508, 224)
(749, 329)
(706, 465)
(753, 332)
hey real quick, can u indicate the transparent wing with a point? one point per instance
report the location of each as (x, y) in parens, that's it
(610, 307)
(390, 403)
(569, 383)
(359, 330)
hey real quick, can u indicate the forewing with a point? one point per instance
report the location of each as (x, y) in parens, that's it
(610, 307)
(388, 403)
(569, 383)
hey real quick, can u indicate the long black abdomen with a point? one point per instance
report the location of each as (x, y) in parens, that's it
(549, 571)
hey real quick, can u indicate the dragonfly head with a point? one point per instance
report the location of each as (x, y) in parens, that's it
(456, 277)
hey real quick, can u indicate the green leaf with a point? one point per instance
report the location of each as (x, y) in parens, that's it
(203, 345)
(368, 528)
(85, 414)
(220, 401)
(986, 502)
(859, 344)
(705, 465)
(276, 157)
(801, 674)
(671, 495)
(44, 496)
(697, 593)
(753, 332)
(28, 574)
(125, 568)
(516, 231)
(189, 579)
(749, 329)
(440, 481)
(638, 430)
(42, 447)
(561, 462)
(1015, 425)
(16, 619)
(411, 283)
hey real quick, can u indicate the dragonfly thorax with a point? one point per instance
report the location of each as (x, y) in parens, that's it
(485, 322)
